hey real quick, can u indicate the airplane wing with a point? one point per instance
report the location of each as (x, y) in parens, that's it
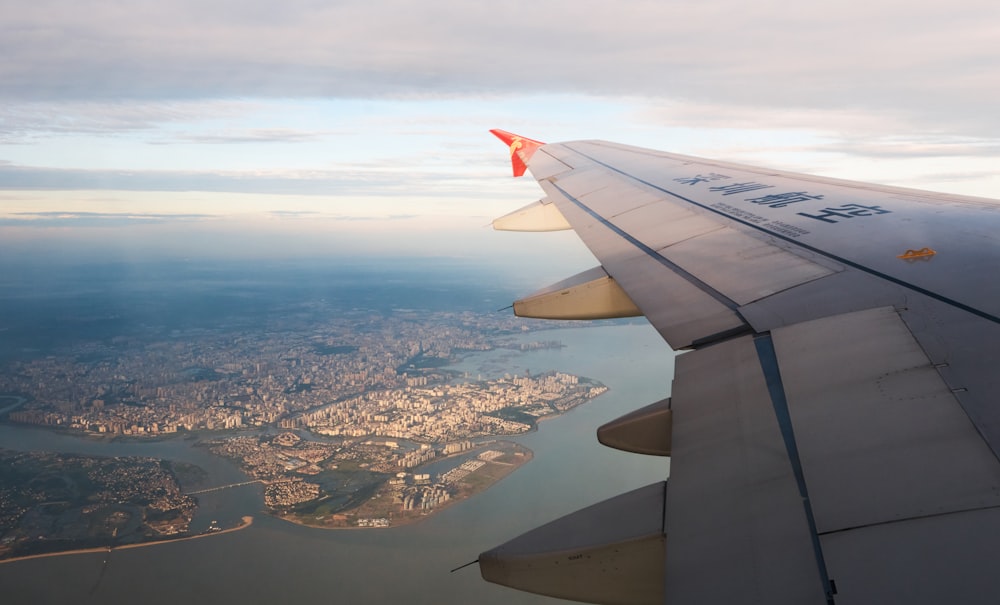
(833, 427)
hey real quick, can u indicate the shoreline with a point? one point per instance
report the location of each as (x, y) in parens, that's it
(245, 522)
(529, 455)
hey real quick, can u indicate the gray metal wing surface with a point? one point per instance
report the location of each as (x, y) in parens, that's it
(833, 427)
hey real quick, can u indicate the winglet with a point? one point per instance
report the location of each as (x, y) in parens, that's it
(521, 149)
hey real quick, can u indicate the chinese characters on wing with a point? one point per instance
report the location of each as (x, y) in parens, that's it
(782, 200)
(701, 178)
(832, 215)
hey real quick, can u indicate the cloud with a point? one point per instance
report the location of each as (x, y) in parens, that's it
(916, 147)
(391, 217)
(344, 181)
(930, 60)
(253, 135)
(892, 132)
(314, 215)
(71, 218)
(808, 139)
(77, 219)
(293, 213)
(379, 98)
(23, 122)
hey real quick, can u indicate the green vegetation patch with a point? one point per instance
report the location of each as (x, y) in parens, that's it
(516, 415)
(51, 502)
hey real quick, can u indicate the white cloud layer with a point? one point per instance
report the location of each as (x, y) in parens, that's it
(281, 107)
(929, 60)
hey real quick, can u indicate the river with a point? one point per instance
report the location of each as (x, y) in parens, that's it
(273, 561)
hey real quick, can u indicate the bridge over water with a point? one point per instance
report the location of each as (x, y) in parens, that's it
(221, 487)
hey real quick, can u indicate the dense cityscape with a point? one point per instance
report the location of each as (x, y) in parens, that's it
(144, 384)
(335, 414)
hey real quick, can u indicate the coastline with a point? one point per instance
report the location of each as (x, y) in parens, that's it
(342, 563)
(464, 493)
(246, 522)
(506, 469)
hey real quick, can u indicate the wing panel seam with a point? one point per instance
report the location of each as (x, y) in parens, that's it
(772, 375)
(707, 289)
(904, 520)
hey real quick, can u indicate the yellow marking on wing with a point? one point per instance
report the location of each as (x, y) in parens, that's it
(921, 253)
(516, 144)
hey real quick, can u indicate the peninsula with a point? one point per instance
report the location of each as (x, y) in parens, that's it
(394, 457)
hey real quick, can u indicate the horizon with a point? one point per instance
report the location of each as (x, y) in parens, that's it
(296, 130)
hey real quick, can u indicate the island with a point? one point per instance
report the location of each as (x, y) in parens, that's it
(321, 485)
(53, 502)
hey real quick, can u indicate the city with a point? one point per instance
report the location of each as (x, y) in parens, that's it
(337, 418)
(152, 383)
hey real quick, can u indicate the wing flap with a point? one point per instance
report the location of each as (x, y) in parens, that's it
(739, 531)
(880, 444)
(942, 559)
(882, 437)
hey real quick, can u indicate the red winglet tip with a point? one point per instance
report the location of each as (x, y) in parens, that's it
(521, 149)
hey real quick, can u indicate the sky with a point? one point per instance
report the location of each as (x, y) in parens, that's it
(251, 128)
